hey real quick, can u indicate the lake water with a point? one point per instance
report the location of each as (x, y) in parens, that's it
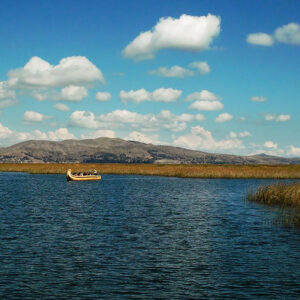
(133, 237)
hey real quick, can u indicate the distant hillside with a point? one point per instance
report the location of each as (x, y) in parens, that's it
(112, 150)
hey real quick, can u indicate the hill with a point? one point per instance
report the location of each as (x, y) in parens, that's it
(114, 150)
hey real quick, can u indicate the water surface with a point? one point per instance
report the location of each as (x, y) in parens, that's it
(133, 237)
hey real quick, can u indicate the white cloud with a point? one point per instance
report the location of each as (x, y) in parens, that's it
(32, 116)
(202, 139)
(224, 118)
(143, 138)
(242, 118)
(271, 145)
(194, 33)
(259, 99)
(7, 96)
(12, 137)
(175, 71)
(7, 103)
(40, 96)
(73, 93)
(261, 39)
(61, 107)
(159, 95)
(103, 96)
(5, 92)
(38, 73)
(277, 118)
(283, 118)
(99, 133)
(204, 95)
(288, 34)
(242, 134)
(201, 66)
(206, 105)
(294, 151)
(84, 119)
(144, 122)
(4, 132)
(60, 134)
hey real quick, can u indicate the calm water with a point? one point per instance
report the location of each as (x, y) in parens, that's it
(141, 237)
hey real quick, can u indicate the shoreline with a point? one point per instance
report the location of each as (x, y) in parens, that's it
(181, 171)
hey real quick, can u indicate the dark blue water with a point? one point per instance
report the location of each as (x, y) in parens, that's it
(133, 237)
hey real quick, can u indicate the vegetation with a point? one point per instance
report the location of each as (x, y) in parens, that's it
(188, 171)
(284, 195)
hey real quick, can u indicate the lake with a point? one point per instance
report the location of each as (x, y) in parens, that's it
(141, 237)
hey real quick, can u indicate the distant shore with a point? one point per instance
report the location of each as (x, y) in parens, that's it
(183, 171)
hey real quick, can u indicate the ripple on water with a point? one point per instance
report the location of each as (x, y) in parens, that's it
(141, 237)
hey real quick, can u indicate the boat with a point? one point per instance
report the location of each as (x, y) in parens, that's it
(72, 177)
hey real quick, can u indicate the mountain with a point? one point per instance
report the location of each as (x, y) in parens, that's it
(113, 150)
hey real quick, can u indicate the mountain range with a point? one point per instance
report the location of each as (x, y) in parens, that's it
(114, 150)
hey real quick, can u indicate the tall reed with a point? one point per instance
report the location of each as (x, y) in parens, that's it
(286, 196)
(188, 171)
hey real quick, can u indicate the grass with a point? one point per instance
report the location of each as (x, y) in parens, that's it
(187, 171)
(286, 196)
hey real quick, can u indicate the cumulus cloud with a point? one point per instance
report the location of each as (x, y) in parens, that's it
(288, 34)
(60, 134)
(10, 137)
(201, 66)
(61, 107)
(202, 139)
(261, 39)
(175, 71)
(7, 96)
(193, 33)
(277, 118)
(242, 134)
(73, 93)
(103, 96)
(271, 145)
(293, 151)
(259, 99)
(204, 95)
(38, 73)
(33, 116)
(207, 105)
(159, 95)
(145, 122)
(5, 132)
(99, 133)
(205, 100)
(224, 118)
(143, 138)
(84, 119)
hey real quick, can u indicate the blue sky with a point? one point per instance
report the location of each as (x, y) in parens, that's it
(237, 61)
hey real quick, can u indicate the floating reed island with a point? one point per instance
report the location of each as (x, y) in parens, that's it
(184, 171)
(286, 196)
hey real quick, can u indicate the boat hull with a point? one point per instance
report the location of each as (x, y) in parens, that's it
(71, 177)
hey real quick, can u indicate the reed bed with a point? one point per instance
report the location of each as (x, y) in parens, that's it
(280, 194)
(185, 171)
(286, 196)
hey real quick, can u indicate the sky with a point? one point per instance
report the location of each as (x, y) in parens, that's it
(215, 76)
